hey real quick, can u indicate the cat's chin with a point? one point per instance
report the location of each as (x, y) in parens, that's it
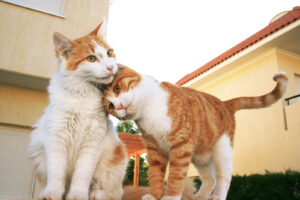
(126, 116)
(104, 80)
(121, 114)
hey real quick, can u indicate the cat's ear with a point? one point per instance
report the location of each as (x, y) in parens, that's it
(63, 46)
(100, 31)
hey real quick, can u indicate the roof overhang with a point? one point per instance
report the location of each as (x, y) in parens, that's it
(23, 80)
(283, 34)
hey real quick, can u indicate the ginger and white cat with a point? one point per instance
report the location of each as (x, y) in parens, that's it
(181, 125)
(74, 147)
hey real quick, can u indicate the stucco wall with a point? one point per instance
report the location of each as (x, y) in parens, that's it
(290, 63)
(261, 141)
(26, 47)
(26, 44)
(20, 106)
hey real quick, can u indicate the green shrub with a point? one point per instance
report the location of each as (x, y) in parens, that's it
(270, 186)
(143, 176)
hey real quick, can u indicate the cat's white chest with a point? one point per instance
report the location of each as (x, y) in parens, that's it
(159, 127)
(156, 121)
(77, 117)
(85, 104)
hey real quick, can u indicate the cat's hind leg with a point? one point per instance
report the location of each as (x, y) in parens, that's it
(85, 166)
(222, 160)
(109, 175)
(37, 154)
(206, 171)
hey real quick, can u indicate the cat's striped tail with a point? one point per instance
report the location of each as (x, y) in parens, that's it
(264, 100)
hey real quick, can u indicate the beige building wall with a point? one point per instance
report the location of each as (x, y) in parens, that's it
(21, 106)
(290, 63)
(261, 141)
(26, 44)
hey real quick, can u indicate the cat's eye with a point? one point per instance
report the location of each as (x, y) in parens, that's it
(110, 52)
(111, 106)
(117, 89)
(91, 58)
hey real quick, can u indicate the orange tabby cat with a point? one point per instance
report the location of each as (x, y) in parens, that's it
(181, 125)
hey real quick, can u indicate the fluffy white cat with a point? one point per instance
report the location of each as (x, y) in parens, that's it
(74, 147)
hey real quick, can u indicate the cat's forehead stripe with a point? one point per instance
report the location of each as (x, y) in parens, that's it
(128, 80)
(82, 48)
(99, 49)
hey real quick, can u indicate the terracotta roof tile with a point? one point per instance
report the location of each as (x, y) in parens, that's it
(271, 28)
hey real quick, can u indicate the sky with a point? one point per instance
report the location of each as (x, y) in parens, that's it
(168, 39)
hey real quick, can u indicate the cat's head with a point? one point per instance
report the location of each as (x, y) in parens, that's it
(88, 58)
(122, 97)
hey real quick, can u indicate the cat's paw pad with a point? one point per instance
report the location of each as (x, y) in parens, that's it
(98, 195)
(51, 194)
(171, 198)
(77, 194)
(214, 197)
(148, 197)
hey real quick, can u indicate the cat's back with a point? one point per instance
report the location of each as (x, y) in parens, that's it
(199, 111)
(190, 97)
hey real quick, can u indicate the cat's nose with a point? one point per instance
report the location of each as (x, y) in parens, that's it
(110, 68)
(120, 107)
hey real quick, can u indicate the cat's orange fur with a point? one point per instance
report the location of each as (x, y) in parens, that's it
(76, 51)
(198, 121)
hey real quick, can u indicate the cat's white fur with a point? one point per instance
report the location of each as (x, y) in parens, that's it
(215, 170)
(147, 104)
(142, 104)
(69, 140)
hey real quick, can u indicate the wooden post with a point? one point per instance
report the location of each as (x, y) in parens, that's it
(136, 169)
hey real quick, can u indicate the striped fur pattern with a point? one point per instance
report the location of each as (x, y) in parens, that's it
(181, 125)
(74, 147)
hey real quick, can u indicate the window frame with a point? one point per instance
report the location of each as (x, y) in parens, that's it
(57, 13)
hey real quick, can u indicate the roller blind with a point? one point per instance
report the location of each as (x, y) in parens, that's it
(16, 170)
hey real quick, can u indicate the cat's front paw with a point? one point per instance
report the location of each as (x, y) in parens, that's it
(78, 194)
(214, 197)
(148, 197)
(171, 198)
(201, 197)
(51, 193)
(98, 195)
